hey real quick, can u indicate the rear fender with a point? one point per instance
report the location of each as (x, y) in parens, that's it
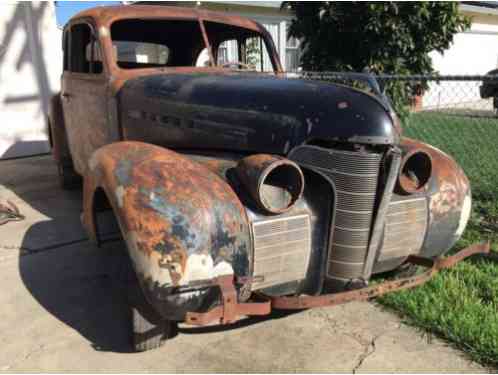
(181, 222)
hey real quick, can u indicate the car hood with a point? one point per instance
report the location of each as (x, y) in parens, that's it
(250, 112)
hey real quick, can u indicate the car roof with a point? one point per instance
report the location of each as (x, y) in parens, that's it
(109, 14)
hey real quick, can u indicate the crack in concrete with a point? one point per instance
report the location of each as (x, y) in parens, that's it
(332, 324)
(29, 251)
(369, 346)
(368, 350)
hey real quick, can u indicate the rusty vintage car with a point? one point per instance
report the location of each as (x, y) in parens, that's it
(237, 189)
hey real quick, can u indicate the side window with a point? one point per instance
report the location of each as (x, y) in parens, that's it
(84, 51)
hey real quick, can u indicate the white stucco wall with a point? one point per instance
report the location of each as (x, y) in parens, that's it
(30, 68)
(474, 52)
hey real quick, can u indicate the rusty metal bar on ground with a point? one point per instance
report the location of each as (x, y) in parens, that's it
(230, 310)
(389, 286)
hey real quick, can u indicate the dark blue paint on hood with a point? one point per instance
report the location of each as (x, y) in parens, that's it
(250, 112)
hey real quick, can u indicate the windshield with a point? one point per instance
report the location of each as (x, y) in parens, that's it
(139, 43)
(238, 48)
(156, 43)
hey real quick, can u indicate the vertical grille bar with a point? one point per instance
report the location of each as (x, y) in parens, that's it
(355, 176)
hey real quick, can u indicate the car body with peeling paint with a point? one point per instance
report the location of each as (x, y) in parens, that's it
(233, 185)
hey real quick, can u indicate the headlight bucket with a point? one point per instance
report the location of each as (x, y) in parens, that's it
(275, 183)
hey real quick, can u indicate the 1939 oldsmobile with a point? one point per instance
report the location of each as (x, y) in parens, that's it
(237, 189)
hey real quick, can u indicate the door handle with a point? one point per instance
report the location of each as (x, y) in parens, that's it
(66, 96)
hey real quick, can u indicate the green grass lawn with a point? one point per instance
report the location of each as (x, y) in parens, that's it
(471, 141)
(461, 304)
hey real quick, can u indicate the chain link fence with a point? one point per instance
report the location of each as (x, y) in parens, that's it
(457, 114)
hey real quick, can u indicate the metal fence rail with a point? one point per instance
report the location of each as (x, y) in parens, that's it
(457, 114)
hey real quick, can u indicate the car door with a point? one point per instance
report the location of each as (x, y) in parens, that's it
(85, 95)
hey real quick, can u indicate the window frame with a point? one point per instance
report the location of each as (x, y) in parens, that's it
(66, 49)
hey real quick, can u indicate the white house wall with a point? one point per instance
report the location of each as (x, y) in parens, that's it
(474, 52)
(30, 67)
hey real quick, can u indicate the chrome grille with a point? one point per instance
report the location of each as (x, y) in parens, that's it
(355, 176)
(406, 223)
(281, 250)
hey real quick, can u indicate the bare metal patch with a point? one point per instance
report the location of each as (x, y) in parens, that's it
(201, 267)
(120, 191)
(147, 265)
(465, 215)
(93, 162)
(104, 31)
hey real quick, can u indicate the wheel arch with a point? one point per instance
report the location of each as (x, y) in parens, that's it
(182, 223)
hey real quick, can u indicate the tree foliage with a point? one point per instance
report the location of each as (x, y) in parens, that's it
(381, 37)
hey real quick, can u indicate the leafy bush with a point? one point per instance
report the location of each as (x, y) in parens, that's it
(379, 37)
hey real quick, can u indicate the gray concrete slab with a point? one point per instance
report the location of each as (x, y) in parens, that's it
(63, 309)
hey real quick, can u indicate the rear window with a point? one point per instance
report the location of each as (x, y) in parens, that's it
(140, 52)
(156, 43)
(126, 52)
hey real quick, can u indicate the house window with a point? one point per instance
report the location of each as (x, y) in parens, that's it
(228, 52)
(291, 53)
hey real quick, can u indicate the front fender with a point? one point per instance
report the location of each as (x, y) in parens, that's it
(449, 196)
(181, 222)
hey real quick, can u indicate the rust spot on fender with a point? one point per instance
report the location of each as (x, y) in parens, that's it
(177, 210)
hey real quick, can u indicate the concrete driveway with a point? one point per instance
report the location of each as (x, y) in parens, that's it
(63, 309)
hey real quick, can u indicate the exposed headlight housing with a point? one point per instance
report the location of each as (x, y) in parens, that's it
(275, 183)
(415, 171)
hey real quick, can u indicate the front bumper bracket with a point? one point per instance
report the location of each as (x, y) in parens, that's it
(230, 310)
